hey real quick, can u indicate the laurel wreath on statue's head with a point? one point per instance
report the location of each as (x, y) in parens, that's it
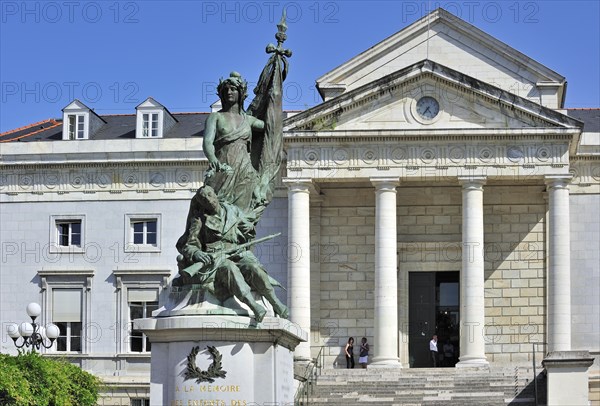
(215, 369)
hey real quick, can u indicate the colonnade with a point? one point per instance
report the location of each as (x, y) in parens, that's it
(472, 309)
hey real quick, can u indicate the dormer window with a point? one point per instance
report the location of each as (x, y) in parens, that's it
(150, 125)
(153, 119)
(76, 126)
(80, 122)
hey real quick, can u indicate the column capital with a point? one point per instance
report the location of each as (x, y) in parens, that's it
(472, 181)
(299, 184)
(558, 181)
(387, 182)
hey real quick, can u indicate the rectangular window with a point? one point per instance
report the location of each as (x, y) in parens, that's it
(140, 402)
(144, 232)
(66, 314)
(150, 125)
(142, 302)
(69, 233)
(76, 126)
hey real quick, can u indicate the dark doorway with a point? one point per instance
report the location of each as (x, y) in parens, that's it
(433, 309)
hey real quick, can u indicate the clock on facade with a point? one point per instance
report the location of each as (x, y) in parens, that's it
(428, 107)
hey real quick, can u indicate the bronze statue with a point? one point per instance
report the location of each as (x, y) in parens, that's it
(244, 151)
(226, 144)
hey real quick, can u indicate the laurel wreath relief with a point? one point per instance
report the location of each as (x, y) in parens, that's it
(215, 369)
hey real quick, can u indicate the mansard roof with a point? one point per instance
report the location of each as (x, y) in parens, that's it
(32, 129)
(590, 117)
(116, 127)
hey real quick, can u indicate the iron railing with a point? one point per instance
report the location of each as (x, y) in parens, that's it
(306, 388)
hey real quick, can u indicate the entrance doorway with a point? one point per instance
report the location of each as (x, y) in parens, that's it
(433, 309)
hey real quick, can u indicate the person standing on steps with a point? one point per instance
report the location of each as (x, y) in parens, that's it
(349, 351)
(433, 350)
(448, 354)
(364, 353)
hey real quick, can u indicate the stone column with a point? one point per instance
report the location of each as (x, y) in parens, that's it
(472, 306)
(299, 259)
(386, 283)
(559, 264)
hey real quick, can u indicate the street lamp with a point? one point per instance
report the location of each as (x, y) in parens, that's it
(33, 335)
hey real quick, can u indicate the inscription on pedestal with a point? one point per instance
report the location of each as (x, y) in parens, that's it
(199, 391)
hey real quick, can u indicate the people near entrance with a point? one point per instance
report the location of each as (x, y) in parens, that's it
(364, 353)
(433, 349)
(349, 351)
(448, 351)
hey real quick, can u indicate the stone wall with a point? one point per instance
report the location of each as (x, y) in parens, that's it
(585, 271)
(514, 218)
(346, 255)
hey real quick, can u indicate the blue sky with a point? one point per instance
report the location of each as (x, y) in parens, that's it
(112, 54)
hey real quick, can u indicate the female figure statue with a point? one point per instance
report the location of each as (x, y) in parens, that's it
(227, 145)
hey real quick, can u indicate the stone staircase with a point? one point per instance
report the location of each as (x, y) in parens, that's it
(427, 387)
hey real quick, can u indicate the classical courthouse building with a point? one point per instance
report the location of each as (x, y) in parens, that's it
(441, 187)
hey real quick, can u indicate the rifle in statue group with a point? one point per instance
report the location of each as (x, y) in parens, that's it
(198, 267)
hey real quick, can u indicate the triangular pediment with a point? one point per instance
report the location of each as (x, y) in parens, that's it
(392, 103)
(76, 105)
(446, 39)
(150, 103)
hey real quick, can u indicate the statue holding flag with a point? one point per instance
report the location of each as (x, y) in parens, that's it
(244, 152)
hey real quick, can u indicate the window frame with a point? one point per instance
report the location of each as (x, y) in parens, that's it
(69, 234)
(149, 111)
(79, 126)
(68, 337)
(131, 330)
(128, 279)
(130, 245)
(149, 130)
(79, 129)
(68, 279)
(55, 246)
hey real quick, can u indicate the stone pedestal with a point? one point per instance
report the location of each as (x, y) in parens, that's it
(257, 359)
(568, 381)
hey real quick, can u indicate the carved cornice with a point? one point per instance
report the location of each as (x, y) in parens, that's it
(72, 274)
(585, 172)
(24, 165)
(109, 179)
(441, 135)
(163, 273)
(428, 161)
(419, 155)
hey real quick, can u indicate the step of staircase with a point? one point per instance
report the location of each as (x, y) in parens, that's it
(426, 387)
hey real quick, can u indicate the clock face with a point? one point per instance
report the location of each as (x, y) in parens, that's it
(428, 107)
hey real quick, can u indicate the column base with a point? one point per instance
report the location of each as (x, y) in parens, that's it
(385, 362)
(472, 363)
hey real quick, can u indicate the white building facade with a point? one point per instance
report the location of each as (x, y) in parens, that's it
(440, 188)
